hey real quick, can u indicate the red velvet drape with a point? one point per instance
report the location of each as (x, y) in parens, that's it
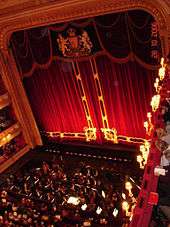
(127, 90)
(55, 99)
(56, 102)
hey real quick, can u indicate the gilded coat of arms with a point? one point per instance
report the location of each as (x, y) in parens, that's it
(74, 45)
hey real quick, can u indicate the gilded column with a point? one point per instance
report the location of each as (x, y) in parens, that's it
(13, 83)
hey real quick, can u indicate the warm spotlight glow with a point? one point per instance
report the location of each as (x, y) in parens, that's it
(162, 70)
(84, 207)
(155, 102)
(115, 212)
(156, 85)
(148, 124)
(99, 210)
(61, 135)
(103, 194)
(144, 149)
(161, 73)
(140, 160)
(73, 200)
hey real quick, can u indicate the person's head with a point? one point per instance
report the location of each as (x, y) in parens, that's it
(160, 132)
(168, 127)
(167, 153)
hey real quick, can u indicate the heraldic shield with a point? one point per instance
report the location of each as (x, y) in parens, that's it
(74, 45)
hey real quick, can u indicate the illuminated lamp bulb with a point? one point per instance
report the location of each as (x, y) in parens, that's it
(155, 102)
(61, 135)
(147, 145)
(8, 136)
(149, 115)
(156, 85)
(50, 134)
(142, 148)
(161, 73)
(162, 62)
(146, 125)
(140, 160)
(4, 139)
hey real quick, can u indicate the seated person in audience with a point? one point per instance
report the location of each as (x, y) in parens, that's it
(165, 159)
(166, 137)
(164, 193)
(164, 184)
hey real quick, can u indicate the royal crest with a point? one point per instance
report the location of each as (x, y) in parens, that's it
(74, 45)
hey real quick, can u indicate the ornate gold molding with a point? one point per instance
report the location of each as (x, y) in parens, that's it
(9, 134)
(52, 13)
(72, 10)
(4, 100)
(19, 99)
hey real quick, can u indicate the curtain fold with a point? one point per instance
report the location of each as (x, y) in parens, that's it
(55, 99)
(56, 102)
(121, 45)
(127, 90)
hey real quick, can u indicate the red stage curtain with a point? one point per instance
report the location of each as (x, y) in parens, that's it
(56, 102)
(123, 36)
(55, 99)
(127, 90)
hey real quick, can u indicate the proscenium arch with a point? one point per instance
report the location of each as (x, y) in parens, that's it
(73, 10)
(58, 13)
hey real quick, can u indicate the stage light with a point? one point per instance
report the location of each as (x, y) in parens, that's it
(99, 210)
(115, 212)
(162, 69)
(73, 200)
(84, 207)
(123, 196)
(103, 194)
(155, 102)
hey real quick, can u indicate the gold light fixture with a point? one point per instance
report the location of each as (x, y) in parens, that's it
(148, 124)
(155, 102)
(142, 158)
(156, 85)
(162, 69)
